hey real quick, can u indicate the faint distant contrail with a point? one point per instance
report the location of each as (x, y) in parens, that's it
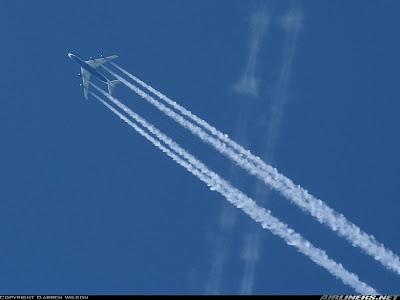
(270, 176)
(291, 23)
(248, 84)
(236, 197)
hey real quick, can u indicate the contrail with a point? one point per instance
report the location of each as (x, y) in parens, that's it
(270, 176)
(291, 23)
(250, 255)
(237, 198)
(248, 84)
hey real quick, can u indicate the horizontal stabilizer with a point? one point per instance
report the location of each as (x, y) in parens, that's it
(111, 85)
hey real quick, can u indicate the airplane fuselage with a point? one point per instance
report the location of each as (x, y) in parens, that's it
(88, 68)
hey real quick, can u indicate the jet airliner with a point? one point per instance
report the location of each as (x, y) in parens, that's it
(88, 68)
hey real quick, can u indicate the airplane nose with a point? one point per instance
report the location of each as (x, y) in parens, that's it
(70, 55)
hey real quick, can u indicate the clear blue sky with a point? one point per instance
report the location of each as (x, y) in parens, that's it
(88, 206)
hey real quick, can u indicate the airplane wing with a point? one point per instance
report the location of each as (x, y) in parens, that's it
(85, 81)
(94, 63)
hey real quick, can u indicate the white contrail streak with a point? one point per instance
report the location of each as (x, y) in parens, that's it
(237, 198)
(270, 176)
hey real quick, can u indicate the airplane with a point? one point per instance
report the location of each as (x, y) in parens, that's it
(88, 68)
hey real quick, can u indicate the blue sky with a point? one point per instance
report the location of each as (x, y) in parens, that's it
(88, 206)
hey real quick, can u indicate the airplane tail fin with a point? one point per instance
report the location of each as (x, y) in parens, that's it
(111, 85)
